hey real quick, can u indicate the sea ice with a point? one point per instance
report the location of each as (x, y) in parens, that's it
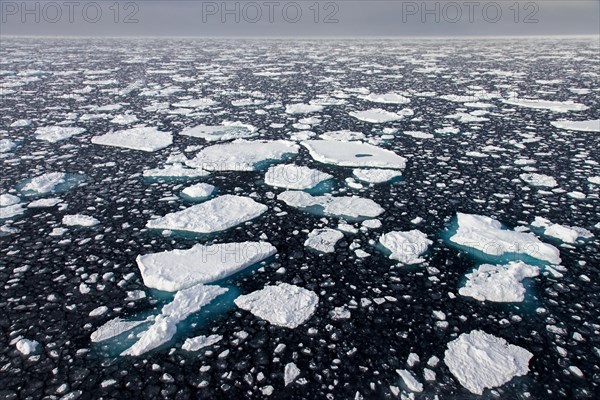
(350, 207)
(44, 203)
(406, 247)
(9, 200)
(54, 134)
(215, 215)
(295, 177)
(555, 106)
(342, 136)
(479, 360)
(410, 381)
(386, 98)
(142, 138)
(376, 116)
(376, 176)
(302, 108)
(488, 236)
(175, 171)
(226, 131)
(177, 269)
(498, 283)
(290, 373)
(199, 342)
(323, 240)
(540, 180)
(199, 191)
(79, 220)
(567, 234)
(45, 183)
(7, 145)
(282, 305)
(26, 346)
(353, 154)
(592, 125)
(113, 328)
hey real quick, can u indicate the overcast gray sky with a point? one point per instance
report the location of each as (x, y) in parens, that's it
(300, 18)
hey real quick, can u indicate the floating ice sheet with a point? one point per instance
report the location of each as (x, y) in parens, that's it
(353, 154)
(143, 138)
(498, 283)
(290, 176)
(349, 207)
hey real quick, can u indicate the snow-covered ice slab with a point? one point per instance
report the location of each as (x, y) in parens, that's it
(215, 215)
(45, 203)
(386, 98)
(195, 103)
(7, 145)
(175, 171)
(300, 108)
(323, 240)
(291, 176)
(185, 303)
(592, 125)
(410, 380)
(376, 176)
(50, 182)
(79, 220)
(342, 135)
(199, 342)
(55, 134)
(9, 200)
(243, 155)
(406, 247)
(488, 236)
(142, 138)
(555, 106)
(567, 234)
(353, 154)
(481, 361)
(498, 283)
(226, 131)
(11, 211)
(282, 305)
(113, 328)
(376, 116)
(344, 207)
(177, 269)
(539, 180)
(199, 191)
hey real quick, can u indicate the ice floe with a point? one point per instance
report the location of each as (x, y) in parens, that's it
(410, 380)
(300, 108)
(143, 138)
(226, 131)
(498, 283)
(337, 206)
(555, 106)
(353, 154)
(49, 183)
(290, 373)
(242, 155)
(7, 145)
(26, 346)
(199, 191)
(290, 176)
(539, 180)
(480, 361)
(177, 269)
(282, 305)
(200, 342)
(566, 234)
(215, 215)
(376, 176)
(342, 135)
(488, 236)
(376, 116)
(386, 98)
(113, 328)
(323, 240)
(176, 170)
(44, 203)
(406, 247)
(54, 134)
(592, 125)
(79, 220)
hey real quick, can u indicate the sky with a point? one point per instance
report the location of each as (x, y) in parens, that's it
(300, 18)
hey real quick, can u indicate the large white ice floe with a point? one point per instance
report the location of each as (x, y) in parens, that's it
(498, 283)
(592, 125)
(300, 108)
(175, 171)
(386, 98)
(376, 175)
(376, 116)
(406, 247)
(199, 342)
(141, 138)
(555, 106)
(199, 191)
(336, 206)
(342, 135)
(567, 234)
(9, 200)
(228, 130)
(323, 240)
(177, 269)
(54, 134)
(282, 305)
(185, 303)
(353, 154)
(243, 155)
(11, 211)
(481, 361)
(539, 180)
(488, 236)
(291, 176)
(79, 220)
(113, 328)
(49, 182)
(215, 215)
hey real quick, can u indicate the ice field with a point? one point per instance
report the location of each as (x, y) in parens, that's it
(323, 219)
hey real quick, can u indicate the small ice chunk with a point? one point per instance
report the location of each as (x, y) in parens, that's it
(295, 177)
(540, 180)
(376, 175)
(406, 247)
(79, 220)
(323, 240)
(199, 191)
(479, 360)
(291, 372)
(410, 381)
(7, 145)
(346, 207)
(140, 138)
(27, 347)
(498, 283)
(282, 305)
(199, 342)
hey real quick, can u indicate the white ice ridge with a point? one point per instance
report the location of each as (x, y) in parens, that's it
(215, 215)
(185, 303)
(141, 138)
(406, 247)
(540, 180)
(353, 154)
(177, 269)
(488, 236)
(113, 328)
(479, 360)
(323, 240)
(242, 155)
(199, 191)
(54, 134)
(175, 171)
(79, 220)
(377, 115)
(592, 125)
(291, 176)
(567, 234)
(228, 130)
(499, 283)
(199, 342)
(555, 106)
(376, 175)
(386, 98)
(282, 305)
(350, 207)
(45, 183)
(300, 108)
